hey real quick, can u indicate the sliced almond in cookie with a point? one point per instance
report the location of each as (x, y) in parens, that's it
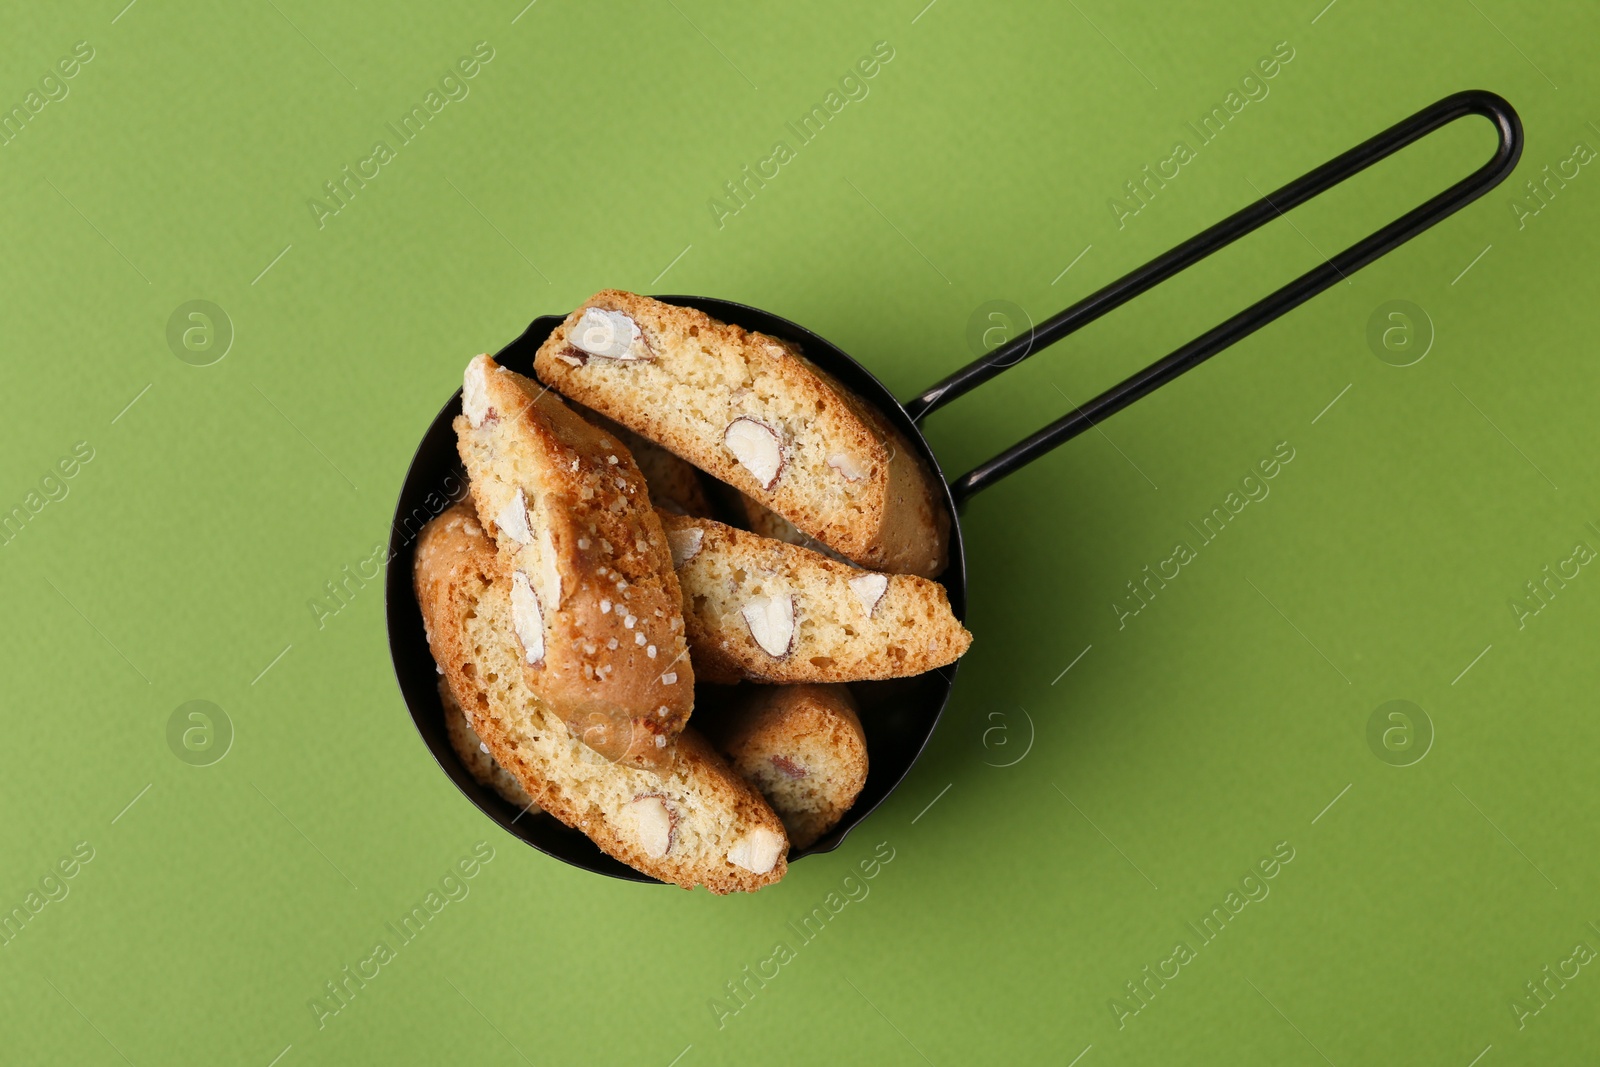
(757, 447)
(869, 589)
(771, 622)
(758, 851)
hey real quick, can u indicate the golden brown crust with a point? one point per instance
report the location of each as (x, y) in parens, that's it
(846, 624)
(846, 476)
(592, 552)
(803, 747)
(464, 594)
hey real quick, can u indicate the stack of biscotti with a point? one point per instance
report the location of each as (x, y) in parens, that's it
(575, 602)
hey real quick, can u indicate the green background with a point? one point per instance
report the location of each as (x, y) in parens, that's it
(1078, 820)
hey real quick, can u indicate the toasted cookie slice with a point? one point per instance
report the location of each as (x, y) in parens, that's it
(748, 409)
(595, 603)
(695, 822)
(774, 612)
(802, 746)
(474, 754)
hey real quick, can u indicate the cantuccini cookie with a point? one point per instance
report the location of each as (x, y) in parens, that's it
(695, 822)
(749, 409)
(595, 603)
(802, 746)
(764, 610)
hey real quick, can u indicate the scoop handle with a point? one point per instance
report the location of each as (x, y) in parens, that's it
(1508, 128)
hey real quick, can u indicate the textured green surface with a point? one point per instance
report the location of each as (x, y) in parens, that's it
(1230, 715)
